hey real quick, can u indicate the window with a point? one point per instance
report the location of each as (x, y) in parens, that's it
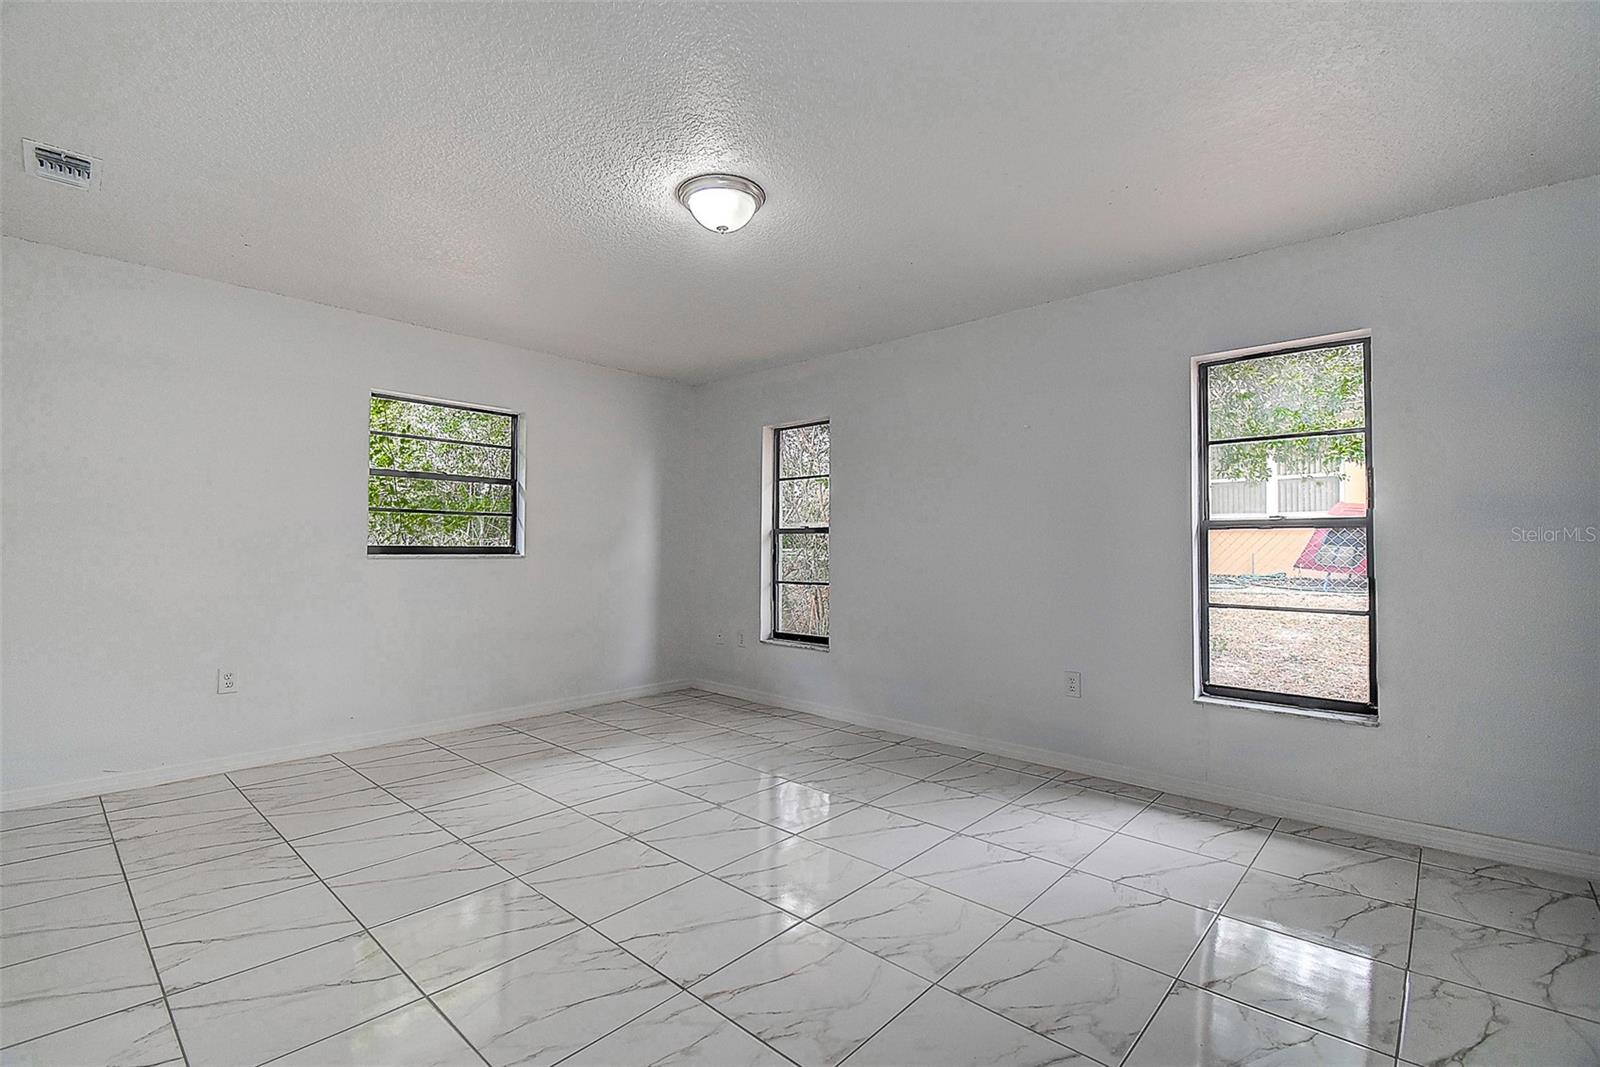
(800, 533)
(441, 479)
(1284, 545)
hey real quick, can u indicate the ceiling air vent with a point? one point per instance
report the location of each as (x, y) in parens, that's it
(58, 165)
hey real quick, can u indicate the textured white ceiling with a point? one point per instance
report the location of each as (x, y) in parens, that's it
(506, 171)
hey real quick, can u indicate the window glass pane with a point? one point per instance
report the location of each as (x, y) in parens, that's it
(392, 492)
(803, 450)
(1317, 390)
(803, 502)
(474, 531)
(803, 609)
(1289, 567)
(431, 420)
(803, 557)
(1308, 476)
(404, 453)
(1290, 652)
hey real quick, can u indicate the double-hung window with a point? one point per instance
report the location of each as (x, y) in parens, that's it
(800, 533)
(1284, 545)
(441, 479)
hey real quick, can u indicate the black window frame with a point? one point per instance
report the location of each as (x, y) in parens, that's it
(1205, 524)
(515, 514)
(778, 529)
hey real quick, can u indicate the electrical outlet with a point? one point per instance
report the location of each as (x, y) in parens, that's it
(741, 638)
(1074, 684)
(227, 681)
(722, 639)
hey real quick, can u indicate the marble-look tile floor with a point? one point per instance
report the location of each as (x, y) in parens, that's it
(694, 879)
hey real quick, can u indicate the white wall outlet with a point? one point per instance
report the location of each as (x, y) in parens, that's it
(1074, 684)
(741, 638)
(227, 680)
(722, 639)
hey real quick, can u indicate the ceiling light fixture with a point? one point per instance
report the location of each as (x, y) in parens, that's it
(721, 203)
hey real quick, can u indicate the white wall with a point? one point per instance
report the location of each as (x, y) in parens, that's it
(159, 523)
(184, 471)
(1011, 499)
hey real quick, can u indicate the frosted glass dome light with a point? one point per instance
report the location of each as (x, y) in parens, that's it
(721, 203)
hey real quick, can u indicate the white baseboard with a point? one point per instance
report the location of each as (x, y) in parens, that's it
(119, 780)
(1504, 849)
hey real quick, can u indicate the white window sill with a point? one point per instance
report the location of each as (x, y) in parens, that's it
(1347, 718)
(781, 643)
(444, 555)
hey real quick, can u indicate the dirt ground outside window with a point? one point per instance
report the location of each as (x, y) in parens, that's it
(1290, 652)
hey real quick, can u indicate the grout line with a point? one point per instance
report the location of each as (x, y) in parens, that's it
(1411, 942)
(1118, 832)
(583, 924)
(610, 728)
(197, 863)
(236, 904)
(719, 724)
(133, 903)
(949, 833)
(11, 962)
(1411, 947)
(118, 1011)
(368, 933)
(225, 787)
(682, 991)
(1009, 919)
(800, 920)
(1405, 972)
(889, 1023)
(592, 927)
(1215, 917)
(356, 1026)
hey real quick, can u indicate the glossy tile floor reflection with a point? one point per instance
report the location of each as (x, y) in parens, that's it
(690, 878)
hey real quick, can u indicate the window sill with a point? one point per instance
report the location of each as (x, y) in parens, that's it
(1304, 713)
(782, 643)
(445, 555)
